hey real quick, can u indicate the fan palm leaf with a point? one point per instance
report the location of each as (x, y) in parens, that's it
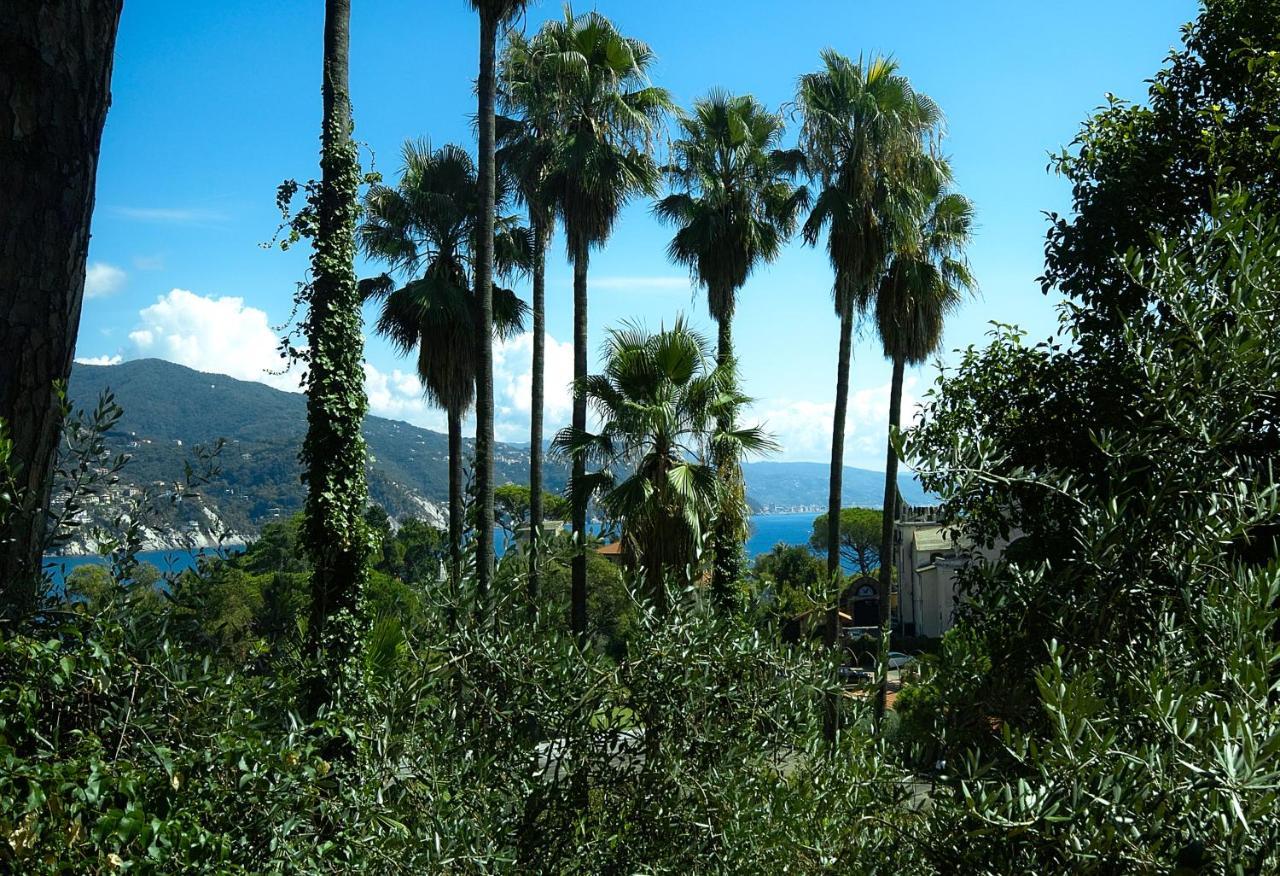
(659, 399)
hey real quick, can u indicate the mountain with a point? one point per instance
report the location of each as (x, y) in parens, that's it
(169, 409)
(803, 486)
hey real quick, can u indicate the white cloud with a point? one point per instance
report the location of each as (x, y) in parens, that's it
(641, 284)
(803, 427)
(102, 279)
(513, 386)
(218, 335)
(149, 262)
(398, 396)
(99, 360)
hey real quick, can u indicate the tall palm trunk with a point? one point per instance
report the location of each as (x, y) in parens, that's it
(831, 631)
(578, 606)
(455, 497)
(484, 292)
(890, 513)
(724, 342)
(55, 74)
(725, 545)
(536, 402)
(333, 451)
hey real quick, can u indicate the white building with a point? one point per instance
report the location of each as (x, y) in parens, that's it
(927, 558)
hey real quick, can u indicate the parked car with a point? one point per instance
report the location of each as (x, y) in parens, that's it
(897, 659)
(854, 675)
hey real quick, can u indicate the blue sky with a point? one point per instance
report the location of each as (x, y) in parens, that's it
(214, 104)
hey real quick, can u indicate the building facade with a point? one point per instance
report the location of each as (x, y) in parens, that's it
(928, 559)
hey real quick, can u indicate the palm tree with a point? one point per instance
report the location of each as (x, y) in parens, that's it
(526, 139)
(428, 229)
(608, 115)
(926, 280)
(333, 451)
(862, 123)
(661, 400)
(492, 13)
(734, 208)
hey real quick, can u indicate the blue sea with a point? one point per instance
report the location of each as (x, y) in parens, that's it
(767, 530)
(170, 563)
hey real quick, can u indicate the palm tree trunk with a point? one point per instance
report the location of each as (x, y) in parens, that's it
(578, 599)
(455, 497)
(333, 451)
(890, 513)
(831, 629)
(484, 292)
(725, 538)
(55, 63)
(724, 345)
(536, 402)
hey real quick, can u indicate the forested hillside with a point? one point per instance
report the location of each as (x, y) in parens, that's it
(169, 409)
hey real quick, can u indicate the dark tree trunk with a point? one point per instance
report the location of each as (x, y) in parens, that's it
(578, 606)
(55, 80)
(333, 452)
(484, 292)
(726, 546)
(536, 403)
(890, 513)
(455, 498)
(831, 630)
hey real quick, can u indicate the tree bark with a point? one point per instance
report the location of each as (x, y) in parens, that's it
(55, 80)
(890, 513)
(578, 599)
(831, 629)
(536, 403)
(333, 451)
(484, 293)
(726, 545)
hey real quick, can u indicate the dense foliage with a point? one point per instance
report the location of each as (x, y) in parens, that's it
(1127, 643)
(156, 739)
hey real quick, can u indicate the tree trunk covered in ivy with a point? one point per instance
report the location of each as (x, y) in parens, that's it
(484, 292)
(536, 401)
(727, 531)
(55, 80)
(831, 629)
(333, 453)
(578, 597)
